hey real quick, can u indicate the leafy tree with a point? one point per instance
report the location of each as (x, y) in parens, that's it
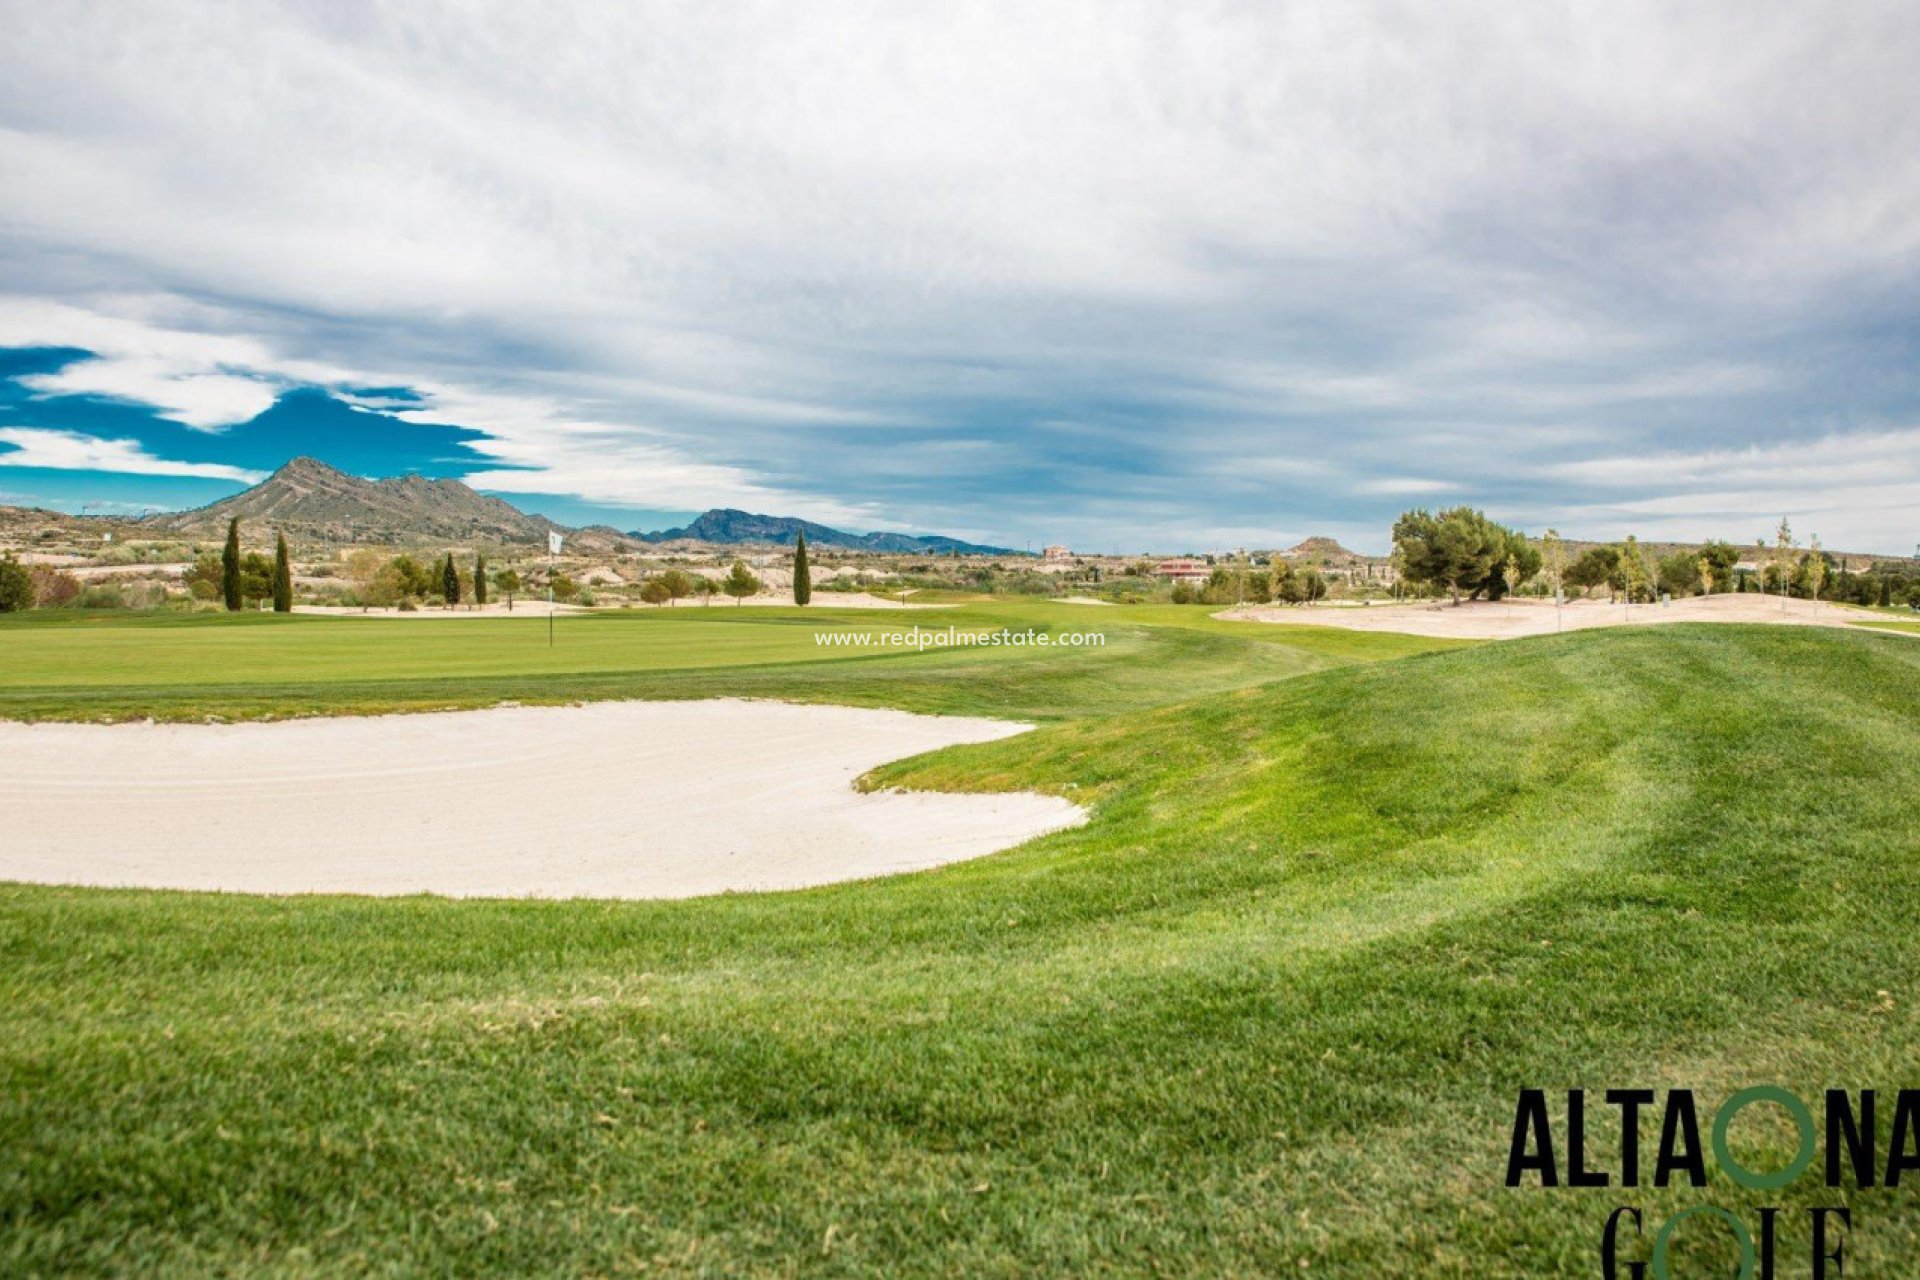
(1814, 570)
(802, 573)
(564, 588)
(1682, 573)
(656, 592)
(1595, 567)
(410, 576)
(480, 580)
(1284, 583)
(256, 578)
(1521, 563)
(705, 587)
(203, 577)
(1782, 566)
(364, 567)
(16, 586)
(679, 584)
(230, 567)
(1636, 571)
(1461, 550)
(508, 580)
(1221, 587)
(1719, 558)
(740, 582)
(388, 587)
(450, 581)
(1553, 553)
(282, 575)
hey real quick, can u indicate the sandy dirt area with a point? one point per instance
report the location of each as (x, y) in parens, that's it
(1510, 619)
(609, 800)
(1083, 600)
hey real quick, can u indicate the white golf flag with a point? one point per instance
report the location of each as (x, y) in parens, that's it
(553, 543)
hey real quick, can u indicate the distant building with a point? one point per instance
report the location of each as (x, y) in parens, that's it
(1183, 570)
(1055, 552)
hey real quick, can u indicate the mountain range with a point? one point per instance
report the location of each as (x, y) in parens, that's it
(309, 498)
(733, 528)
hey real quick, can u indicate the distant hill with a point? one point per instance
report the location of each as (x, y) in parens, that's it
(1322, 551)
(310, 498)
(733, 528)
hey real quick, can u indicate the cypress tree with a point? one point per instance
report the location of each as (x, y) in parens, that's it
(282, 575)
(230, 567)
(480, 580)
(450, 582)
(802, 575)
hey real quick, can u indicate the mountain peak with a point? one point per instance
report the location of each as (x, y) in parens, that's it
(312, 497)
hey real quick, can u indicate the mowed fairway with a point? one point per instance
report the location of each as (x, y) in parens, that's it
(80, 666)
(1266, 1012)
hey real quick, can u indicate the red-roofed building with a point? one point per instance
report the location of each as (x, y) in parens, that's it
(1184, 570)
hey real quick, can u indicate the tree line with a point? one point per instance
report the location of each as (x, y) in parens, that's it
(1462, 552)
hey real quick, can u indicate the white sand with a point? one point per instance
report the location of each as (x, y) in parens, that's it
(612, 800)
(1510, 619)
(1083, 600)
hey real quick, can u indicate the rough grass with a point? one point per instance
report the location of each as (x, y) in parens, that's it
(1267, 1011)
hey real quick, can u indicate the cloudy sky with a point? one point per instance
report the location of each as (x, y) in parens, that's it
(1122, 275)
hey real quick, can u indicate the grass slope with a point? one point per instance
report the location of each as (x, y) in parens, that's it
(1267, 1011)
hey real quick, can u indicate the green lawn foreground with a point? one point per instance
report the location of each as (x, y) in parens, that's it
(1266, 1013)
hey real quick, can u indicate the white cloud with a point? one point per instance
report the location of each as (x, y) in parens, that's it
(710, 238)
(1403, 486)
(200, 379)
(73, 451)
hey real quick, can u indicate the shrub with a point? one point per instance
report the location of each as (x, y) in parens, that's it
(53, 589)
(16, 587)
(106, 595)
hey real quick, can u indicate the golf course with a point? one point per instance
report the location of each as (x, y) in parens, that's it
(1340, 896)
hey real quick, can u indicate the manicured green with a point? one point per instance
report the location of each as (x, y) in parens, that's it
(1265, 1014)
(191, 666)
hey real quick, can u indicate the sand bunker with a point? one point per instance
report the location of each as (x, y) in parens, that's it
(612, 800)
(1510, 619)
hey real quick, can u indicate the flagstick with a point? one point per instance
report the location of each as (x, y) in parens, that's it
(553, 549)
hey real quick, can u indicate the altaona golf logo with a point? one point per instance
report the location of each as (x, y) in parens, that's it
(1632, 1247)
